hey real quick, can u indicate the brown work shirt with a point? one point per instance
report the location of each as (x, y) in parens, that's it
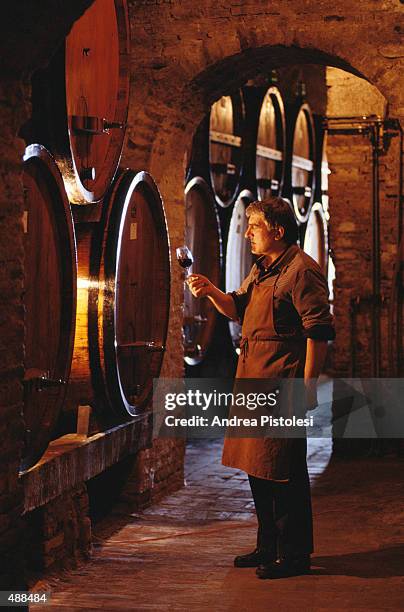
(279, 306)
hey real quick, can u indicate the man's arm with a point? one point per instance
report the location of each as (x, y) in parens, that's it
(200, 286)
(310, 298)
(316, 351)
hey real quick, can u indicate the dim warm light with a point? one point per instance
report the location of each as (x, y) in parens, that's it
(86, 283)
(69, 181)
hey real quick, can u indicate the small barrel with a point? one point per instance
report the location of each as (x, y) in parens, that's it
(225, 142)
(302, 179)
(80, 102)
(202, 236)
(49, 298)
(316, 237)
(238, 254)
(123, 299)
(271, 144)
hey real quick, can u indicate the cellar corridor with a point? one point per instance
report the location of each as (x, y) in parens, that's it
(178, 554)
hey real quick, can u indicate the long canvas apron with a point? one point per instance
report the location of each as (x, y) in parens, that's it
(264, 354)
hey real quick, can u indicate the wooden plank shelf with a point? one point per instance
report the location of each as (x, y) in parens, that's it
(74, 459)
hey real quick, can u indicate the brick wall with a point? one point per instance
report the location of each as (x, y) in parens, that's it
(58, 531)
(12, 113)
(350, 193)
(348, 95)
(350, 189)
(156, 472)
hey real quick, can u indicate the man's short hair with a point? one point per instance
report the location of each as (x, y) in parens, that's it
(278, 213)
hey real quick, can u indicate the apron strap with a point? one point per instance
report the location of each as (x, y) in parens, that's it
(244, 348)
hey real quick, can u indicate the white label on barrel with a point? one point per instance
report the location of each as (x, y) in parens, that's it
(25, 221)
(133, 231)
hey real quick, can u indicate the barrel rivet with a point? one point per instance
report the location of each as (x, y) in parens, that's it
(87, 174)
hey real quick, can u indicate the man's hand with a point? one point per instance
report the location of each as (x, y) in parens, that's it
(199, 285)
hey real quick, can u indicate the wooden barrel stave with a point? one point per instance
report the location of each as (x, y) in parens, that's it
(316, 237)
(202, 235)
(239, 258)
(141, 262)
(270, 149)
(302, 163)
(96, 95)
(121, 336)
(225, 153)
(49, 298)
(86, 83)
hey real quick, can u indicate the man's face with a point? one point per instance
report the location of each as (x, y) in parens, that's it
(261, 237)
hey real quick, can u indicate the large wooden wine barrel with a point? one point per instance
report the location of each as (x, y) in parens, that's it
(271, 144)
(302, 163)
(123, 299)
(238, 254)
(316, 237)
(225, 141)
(202, 236)
(49, 298)
(80, 102)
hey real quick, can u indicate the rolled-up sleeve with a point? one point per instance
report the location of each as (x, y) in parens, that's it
(310, 298)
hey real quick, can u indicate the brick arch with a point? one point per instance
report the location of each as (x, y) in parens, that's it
(255, 62)
(177, 48)
(168, 117)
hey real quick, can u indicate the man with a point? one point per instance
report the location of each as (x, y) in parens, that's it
(286, 323)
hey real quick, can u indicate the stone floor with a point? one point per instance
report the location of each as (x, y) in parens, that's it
(178, 555)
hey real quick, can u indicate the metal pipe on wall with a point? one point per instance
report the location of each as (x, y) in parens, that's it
(375, 251)
(395, 305)
(374, 127)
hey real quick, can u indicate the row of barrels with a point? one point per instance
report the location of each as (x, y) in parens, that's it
(248, 141)
(97, 277)
(96, 297)
(239, 157)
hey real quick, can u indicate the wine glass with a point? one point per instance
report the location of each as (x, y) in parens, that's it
(185, 258)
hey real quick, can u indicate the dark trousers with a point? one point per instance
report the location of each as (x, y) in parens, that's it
(285, 523)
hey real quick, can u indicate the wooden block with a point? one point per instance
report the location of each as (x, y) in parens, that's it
(83, 419)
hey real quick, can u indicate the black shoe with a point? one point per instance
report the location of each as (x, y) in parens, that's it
(253, 559)
(285, 568)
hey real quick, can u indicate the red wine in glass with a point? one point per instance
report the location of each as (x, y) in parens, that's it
(185, 258)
